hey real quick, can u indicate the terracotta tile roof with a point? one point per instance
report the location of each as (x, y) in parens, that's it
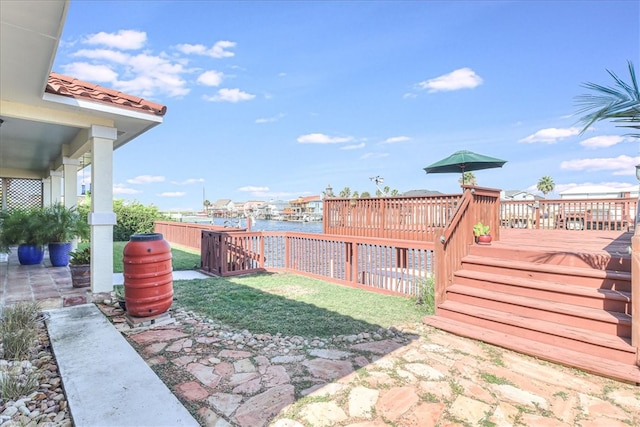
(68, 86)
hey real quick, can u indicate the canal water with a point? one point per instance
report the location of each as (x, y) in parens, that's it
(264, 225)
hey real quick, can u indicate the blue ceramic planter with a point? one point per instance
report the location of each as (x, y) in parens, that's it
(59, 254)
(30, 254)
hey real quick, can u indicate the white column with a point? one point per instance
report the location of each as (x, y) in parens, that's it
(102, 218)
(55, 188)
(70, 174)
(46, 192)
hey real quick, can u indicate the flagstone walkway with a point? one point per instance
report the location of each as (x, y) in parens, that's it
(414, 376)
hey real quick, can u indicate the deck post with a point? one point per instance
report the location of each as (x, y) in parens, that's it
(635, 294)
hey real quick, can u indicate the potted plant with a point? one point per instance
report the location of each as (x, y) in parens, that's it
(24, 227)
(80, 267)
(481, 233)
(62, 225)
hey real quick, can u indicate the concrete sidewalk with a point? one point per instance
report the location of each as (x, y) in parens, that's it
(105, 380)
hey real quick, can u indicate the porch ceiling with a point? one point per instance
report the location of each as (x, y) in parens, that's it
(40, 128)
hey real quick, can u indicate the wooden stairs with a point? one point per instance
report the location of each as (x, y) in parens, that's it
(568, 308)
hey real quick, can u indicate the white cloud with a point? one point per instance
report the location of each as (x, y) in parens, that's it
(188, 181)
(602, 141)
(271, 119)
(353, 146)
(218, 50)
(320, 138)
(621, 165)
(172, 194)
(104, 54)
(210, 78)
(550, 135)
(396, 139)
(90, 72)
(253, 189)
(373, 156)
(230, 95)
(409, 95)
(559, 188)
(463, 78)
(123, 39)
(122, 189)
(145, 179)
(150, 74)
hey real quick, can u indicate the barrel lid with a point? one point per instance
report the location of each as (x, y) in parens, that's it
(146, 237)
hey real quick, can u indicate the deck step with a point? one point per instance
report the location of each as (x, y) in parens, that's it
(591, 277)
(584, 361)
(600, 260)
(605, 299)
(593, 319)
(565, 336)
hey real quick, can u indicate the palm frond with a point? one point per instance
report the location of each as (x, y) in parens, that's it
(619, 103)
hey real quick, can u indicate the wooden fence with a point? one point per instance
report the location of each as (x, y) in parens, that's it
(381, 265)
(186, 234)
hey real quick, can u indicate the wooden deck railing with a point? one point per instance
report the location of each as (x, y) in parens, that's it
(403, 217)
(382, 265)
(477, 204)
(577, 214)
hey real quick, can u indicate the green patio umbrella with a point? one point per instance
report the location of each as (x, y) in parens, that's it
(464, 161)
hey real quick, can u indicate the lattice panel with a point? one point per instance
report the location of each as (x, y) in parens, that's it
(21, 193)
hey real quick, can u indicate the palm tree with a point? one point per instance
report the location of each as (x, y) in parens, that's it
(469, 179)
(345, 193)
(546, 185)
(620, 103)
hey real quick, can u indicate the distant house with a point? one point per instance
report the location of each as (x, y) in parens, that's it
(276, 209)
(421, 193)
(599, 192)
(223, 208)
(251, 207)
(518, 195)
(306, 208)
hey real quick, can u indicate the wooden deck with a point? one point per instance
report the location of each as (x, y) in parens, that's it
(561, 295)
(615, 243)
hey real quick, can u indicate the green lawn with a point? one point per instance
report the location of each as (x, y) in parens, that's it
(294, 305)
(182, 259)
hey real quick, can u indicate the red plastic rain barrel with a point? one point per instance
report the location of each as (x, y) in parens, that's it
(148, 279)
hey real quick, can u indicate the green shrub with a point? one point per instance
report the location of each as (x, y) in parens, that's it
(18, 327)
(17, 381)
(132, 217)
(426, 296)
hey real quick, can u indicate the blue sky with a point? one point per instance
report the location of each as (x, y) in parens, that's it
(275, 100)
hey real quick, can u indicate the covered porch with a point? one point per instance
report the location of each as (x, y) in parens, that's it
(52, 126)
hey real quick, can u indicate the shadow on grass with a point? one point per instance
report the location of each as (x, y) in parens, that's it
(293, 305)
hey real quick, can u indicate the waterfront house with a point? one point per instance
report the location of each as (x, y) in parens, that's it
(306, 208)
(52, 126)
(223, 208)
